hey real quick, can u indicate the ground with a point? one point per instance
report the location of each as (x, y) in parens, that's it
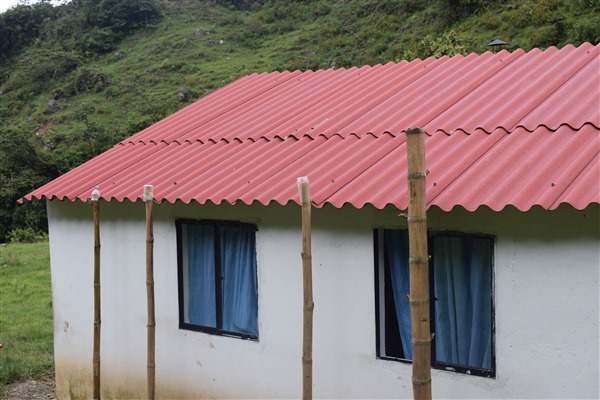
(30, 390)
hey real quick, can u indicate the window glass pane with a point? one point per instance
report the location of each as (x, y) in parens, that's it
(238, 268)
(462, 280)
(200, 308)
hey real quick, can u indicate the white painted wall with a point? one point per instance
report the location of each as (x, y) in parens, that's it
(546, 303)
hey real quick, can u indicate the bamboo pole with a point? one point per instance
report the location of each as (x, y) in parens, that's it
(151, 366)
(419, 265)
(304, 190)
(96, 347)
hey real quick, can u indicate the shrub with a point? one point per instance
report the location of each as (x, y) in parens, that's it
(448, 44)
(137, 122)
(90, 80)
(586, 29)
(543, 36)
(100, 40)
(26, 235)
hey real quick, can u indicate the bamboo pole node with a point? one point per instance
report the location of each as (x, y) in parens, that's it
(417, 219)
(414, 260)
(420, 301)
(420, 382)
(417, 175)
(421, 342)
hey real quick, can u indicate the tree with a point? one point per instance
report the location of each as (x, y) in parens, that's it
(22, 169)
(21, 25)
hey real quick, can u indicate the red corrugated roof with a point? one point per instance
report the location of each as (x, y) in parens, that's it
(518, 129)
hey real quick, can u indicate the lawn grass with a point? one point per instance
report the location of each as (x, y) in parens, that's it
(25, 313)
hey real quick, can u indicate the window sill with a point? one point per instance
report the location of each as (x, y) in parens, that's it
(484, 373)
(217, 332)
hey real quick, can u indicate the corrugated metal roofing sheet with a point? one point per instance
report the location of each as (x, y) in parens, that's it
(518, 129)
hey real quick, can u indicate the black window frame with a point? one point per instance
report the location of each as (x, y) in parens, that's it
(216, 224)
(377, 240)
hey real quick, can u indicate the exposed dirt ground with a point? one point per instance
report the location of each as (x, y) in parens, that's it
(30, 390)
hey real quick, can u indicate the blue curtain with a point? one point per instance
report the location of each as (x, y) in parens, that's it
(201, 308)
(462, 291)
(238, 278)
(238, 266)
(462, 280)
(396, 248)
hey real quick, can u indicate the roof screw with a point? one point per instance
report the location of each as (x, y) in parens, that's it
(553, 184)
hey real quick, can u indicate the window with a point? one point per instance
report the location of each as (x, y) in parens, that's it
(460, 274)
(217, 278)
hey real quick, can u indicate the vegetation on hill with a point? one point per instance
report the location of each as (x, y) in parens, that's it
(77, 78)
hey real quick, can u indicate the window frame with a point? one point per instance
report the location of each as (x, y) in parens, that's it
(216, 224)
(380, 296)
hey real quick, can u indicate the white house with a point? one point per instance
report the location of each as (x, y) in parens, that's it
(513, 194)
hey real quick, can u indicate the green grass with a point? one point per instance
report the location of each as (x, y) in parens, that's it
(25, 313)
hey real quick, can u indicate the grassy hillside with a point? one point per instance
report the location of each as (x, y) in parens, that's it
(81, 84)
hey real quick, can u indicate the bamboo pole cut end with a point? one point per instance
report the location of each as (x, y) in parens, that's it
(95, 194)
(148, 193)
(303, 189)
(414, 130)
